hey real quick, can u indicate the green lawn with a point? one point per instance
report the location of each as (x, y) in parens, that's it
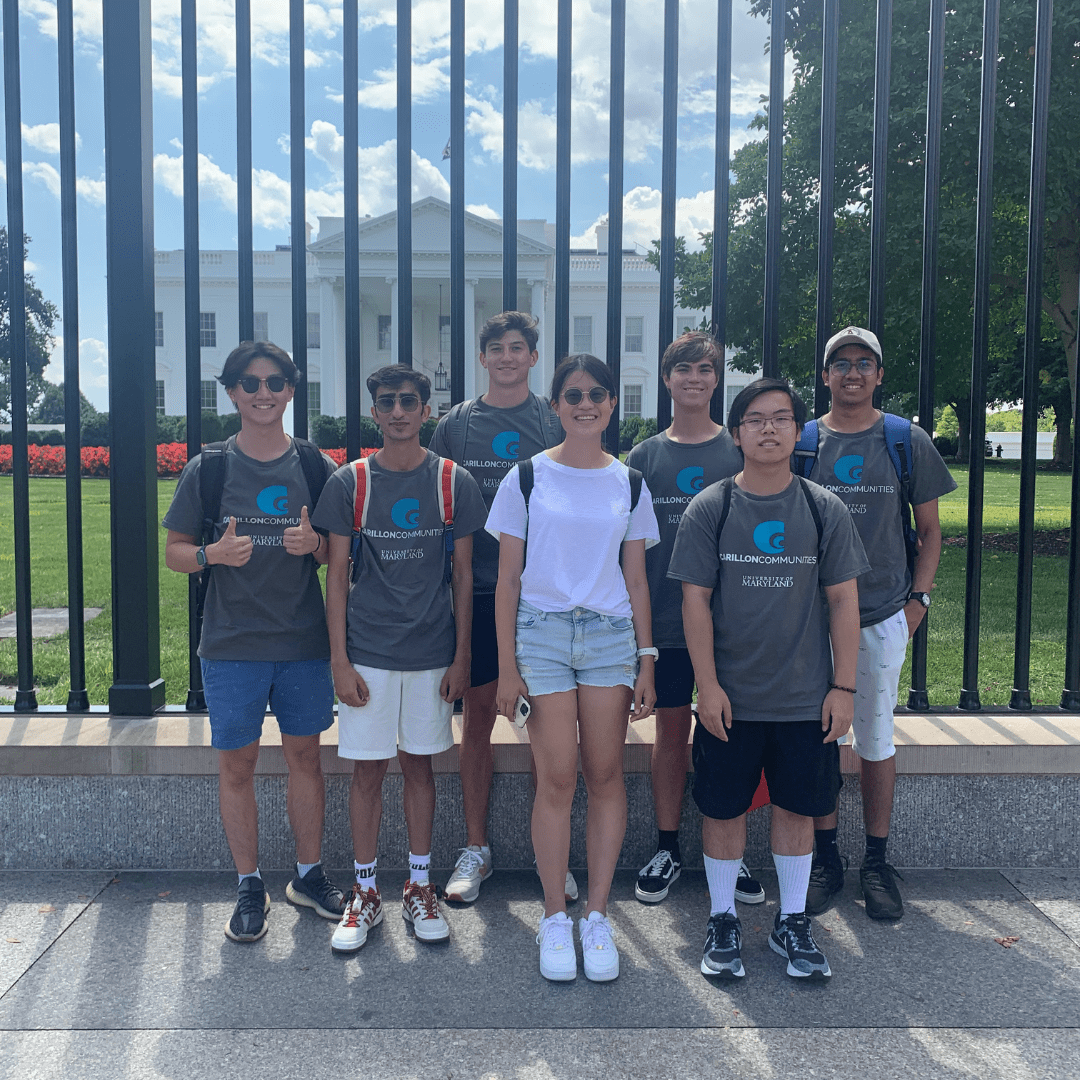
(49, 589)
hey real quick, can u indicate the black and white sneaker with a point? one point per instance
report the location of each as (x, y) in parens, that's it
(248, 920)
(748, 890)
(792, 937)
(723, 945)
(656, 877)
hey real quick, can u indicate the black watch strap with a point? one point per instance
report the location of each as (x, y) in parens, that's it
(922, 597)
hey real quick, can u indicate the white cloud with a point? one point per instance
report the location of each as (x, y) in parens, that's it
(483, 210)
(91, 190)
(45, 137)
(641, 219)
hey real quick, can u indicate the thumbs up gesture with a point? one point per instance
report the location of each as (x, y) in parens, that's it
(302, 539)
(230, 550)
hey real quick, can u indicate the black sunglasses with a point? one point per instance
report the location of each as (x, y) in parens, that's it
(409, 402)
(597, 394)
(250, 384)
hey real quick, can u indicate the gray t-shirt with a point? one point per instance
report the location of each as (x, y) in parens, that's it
(770, 618)
(400, 615)
(856, 466)
(272, 607)
(489, 441)
(675, 472)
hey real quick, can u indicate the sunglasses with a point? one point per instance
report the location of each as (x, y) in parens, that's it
(597, 395)
(250, 385)
(408, 402)
(863, 366)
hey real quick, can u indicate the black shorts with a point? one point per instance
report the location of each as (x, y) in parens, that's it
(674, 679)
(485, 646)
(802, 772)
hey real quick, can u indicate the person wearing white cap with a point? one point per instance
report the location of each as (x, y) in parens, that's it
(886, 470)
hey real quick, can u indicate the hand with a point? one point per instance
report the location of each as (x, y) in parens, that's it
(230, 550)
(510, 688)
(714, 711)
(302, 539)
(456, 680)
(349, 685)
(644, 690)
(837, 713)
(914, 612)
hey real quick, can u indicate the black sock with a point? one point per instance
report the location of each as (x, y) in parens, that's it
(825, 842)
(669, 841)
(875, 848)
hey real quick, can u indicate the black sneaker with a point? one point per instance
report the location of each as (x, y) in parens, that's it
(792, 937)
(316, 890)
(826, 883)
(748, 890)
(656, 877)
(248, 922)
(723, 943)
(883, 901)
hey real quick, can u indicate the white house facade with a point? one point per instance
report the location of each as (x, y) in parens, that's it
(430, 317)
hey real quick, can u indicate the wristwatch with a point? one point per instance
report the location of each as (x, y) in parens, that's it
(922, 597)
(200, 556)
(652, 651)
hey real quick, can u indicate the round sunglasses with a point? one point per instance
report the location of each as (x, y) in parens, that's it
(250, 384)
(597, 395)
(385, 402)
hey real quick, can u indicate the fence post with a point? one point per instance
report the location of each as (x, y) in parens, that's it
(137, 688)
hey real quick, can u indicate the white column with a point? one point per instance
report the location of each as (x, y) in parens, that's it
(395, 316)
(539, 378)
(334, 350)
(471, 345)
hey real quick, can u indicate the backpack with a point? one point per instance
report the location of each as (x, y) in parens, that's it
(362, 498)
(897, 432)
(526, 475)
(212, 484)
(457, 425)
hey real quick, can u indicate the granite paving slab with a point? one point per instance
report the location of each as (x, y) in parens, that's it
(1056, 893)
(149, 953)
(35, 909)
(531, 1054)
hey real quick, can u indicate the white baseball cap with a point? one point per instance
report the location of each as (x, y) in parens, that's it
(852, 335)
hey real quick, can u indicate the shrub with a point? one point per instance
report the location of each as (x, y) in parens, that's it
(51, 438)
(327, 432)
(648, 430)
(629, 429)
(946, 446)
(428, 429)
(95, 430)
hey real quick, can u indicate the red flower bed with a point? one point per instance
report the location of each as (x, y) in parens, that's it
(171, 459)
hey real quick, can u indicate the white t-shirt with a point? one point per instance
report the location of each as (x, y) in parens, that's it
(576, 523)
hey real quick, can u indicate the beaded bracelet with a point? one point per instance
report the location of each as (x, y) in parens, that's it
(846, 689)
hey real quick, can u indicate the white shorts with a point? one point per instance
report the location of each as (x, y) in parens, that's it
(882, 649)
(404, 712)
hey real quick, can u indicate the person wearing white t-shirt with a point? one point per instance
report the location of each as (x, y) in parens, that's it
(575, 640)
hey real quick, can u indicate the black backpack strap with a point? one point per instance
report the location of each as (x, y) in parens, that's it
(636, 479)
(815, 513)
(211, 485)
(725, 508)
(314, 466)
(525, 480)
(458, 423)
(550, 425)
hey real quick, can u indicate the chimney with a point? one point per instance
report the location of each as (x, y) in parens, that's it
(602, 237)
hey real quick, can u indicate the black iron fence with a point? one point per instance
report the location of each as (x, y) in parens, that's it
(137, 687)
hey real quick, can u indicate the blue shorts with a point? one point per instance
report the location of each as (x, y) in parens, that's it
(300, 694)
(560, 650)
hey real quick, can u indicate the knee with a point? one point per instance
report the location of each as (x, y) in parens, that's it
(236, 768)
(557, 786)
(367, 777)
(416, 768)
(606, 781)
(477, 725)
(304, 757)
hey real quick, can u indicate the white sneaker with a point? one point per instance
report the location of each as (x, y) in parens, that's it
(470, 870)
(558, 961)
(363, 910)
(420, 906)
(597, 948)
(570, 889)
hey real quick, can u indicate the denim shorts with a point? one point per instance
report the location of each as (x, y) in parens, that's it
(560, 650)
(300, 694)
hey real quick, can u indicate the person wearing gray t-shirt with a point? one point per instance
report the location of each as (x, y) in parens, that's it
(691, 454)
(264, 634)
(488, 436)
(768, 563)
(855, 460)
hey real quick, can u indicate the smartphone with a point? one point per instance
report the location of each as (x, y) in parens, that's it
(521, 712)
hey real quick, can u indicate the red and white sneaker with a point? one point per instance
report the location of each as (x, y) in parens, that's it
(420, 906)
(363, 910)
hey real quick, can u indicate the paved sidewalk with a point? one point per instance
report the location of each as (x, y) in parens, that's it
(130, 975)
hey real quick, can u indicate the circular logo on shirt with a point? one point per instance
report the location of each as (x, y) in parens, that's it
(848, 469)
(505, 445)
(273, 500)
(691, 479)
(769, 537)
(405, 513)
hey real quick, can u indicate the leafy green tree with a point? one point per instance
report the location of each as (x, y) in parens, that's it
(40, 316)
(50, 407)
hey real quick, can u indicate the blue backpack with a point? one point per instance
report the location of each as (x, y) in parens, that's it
(897, 431)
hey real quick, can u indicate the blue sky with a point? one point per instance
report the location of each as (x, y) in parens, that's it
(324, 150)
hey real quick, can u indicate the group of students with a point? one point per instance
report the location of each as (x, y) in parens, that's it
(519, 566)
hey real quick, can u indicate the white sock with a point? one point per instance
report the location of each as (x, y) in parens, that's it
(793, 872)
(722, 875)
(365, 873)
(242, 876)
(302, 868)
(419, 865)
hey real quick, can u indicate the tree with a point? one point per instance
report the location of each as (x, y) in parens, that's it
(907, 137)
(50, 408)
(40, 316)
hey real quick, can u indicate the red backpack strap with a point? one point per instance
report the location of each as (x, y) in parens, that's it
(447, 475)
(361, 496)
